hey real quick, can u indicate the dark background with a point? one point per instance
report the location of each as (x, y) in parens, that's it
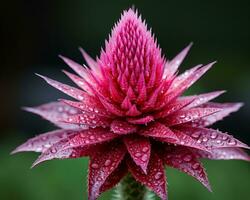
(33, 33)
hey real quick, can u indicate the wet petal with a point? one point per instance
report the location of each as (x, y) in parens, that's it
(211, 138)
(55, 110)
(224, 154)
(102, 165)
(69, 90)
(227, 108)
(160, 131)
(186, 161)
(80, 82)
(80, 139)
(43, 141)
(90, 105)
(173, 107)
(142, 120)
(122, 127)
(90, 62)
(202, 98)
(185, 116)
(176, 90)
(86, 119)
(115, 177)
(172, 66)
(139, 149)
(155, 179)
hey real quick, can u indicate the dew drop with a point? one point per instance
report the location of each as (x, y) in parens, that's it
(224, 137)
(232, 142)
(145, 149)
(95, 166)
(144, 157)
(218, 141)
(204, 139)
(195, 165)
(187, 158)
(195, 135)
(158, 175)
(107, 163)
(138, 154)
(214, 135)
(53, 150)
(87, 141)
(92, 137)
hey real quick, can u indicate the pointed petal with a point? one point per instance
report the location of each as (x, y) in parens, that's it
(202, 98)
(155, 179)
(122, 127)
(53, 111)
(133, 111)
(80, 82)
(102, 165)
(211, 138)
(80, 139)
(90, 105)
(172, 66)
(139, 149)
(143, 120)
(188, 141)
(224, 154)
(115, 177)
(192, 114)
(86, 119)
(182, 77)
(227, 108)
(177, 89)
(43, 141)
(173, 107)
(52, 153)
(71, 91)
(186, 161)
(160, 131)
(90, 61)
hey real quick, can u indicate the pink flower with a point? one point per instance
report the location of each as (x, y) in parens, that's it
(130, 116)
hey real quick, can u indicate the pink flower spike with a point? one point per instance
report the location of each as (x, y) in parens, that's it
(130, 115)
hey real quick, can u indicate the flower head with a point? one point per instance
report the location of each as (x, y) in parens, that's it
(130, 115)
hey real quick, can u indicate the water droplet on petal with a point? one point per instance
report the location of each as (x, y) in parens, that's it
(145, 149)
(232, 142)
(214, 135)
(95, 166)
(107, 163)
(144, 157)
(158, 175)
(218, 141)
(187, 158)
(138, 154)
(53, 150)
(195, 165)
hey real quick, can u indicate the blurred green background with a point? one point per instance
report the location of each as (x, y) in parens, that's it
(33, 33)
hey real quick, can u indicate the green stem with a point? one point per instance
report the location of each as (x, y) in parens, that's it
(130, 189)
